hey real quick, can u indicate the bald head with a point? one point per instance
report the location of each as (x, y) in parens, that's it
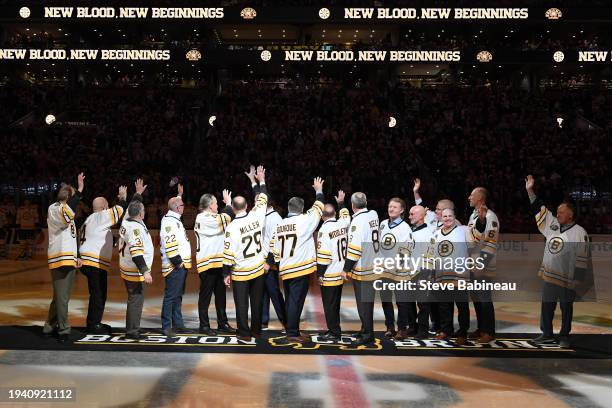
(478, 197)
(417, 215)
(99, 204)
(329, 212)
(176, 204)
(239, 203)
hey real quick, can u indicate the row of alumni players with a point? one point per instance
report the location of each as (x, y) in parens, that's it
(254, 249)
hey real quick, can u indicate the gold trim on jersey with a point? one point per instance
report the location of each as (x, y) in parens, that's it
(90, 259)
(317, 207)
(541, 216)
(62, 259)
(324, 257)
(131, 274)
(332, 279)
(67, 214)
(209, 262)
(555, 278)
(363, 274)
(66, 262)
(229, 258)
(171, 245)
(353, 252)
(166, 268)
(297, 270)
(223, 218)
(243, 274)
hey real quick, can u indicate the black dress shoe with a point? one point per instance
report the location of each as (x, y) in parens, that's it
(207, 331)
(183, 330)
(226, 329)
(49, 335)
(542, 339)
(63, 338)
(99, 329)
(364, 341)
(329, 337)
(422, 335)
(134, 336)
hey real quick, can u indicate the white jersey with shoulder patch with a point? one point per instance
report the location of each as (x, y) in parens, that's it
(173, 242)
(242, 247)
(485, 244)
(97, 238)
(449, 252)
(564, 252)
(332, 241)
(363, 244)
(422, 241)
(293, 243)
(62, 232)
(134, 240)
(395, 241)
(210, 232)
(272, 220)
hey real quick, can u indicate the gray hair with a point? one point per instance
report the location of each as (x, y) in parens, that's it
(359, 200)
(296, 205)
(134, 209)
(206, 200)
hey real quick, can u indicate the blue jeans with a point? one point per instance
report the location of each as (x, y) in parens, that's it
(272, 292)
(171, 314)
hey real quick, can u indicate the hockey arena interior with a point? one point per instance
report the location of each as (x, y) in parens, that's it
(306, 204)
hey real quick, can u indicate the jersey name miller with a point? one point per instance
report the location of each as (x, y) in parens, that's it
(249, 228)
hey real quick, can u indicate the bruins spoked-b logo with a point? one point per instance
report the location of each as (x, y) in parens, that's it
(555, 245)
(388, 241)
(445, 248)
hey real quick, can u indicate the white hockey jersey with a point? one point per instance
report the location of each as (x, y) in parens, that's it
(363, 244)
(134, 240)
(565, 250)
(62, 232)
(210, 232)
(332, 241)
(485, 243)
(395, 241)
(433, 223)
(272, 220)
(422, 240)
(242, 247)
(97, 238)
(293, 243)
(449, 252)
(173, 241)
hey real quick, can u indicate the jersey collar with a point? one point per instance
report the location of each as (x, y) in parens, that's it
(566, 227)
(446, 233)
(420, 227)
(173, 214)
